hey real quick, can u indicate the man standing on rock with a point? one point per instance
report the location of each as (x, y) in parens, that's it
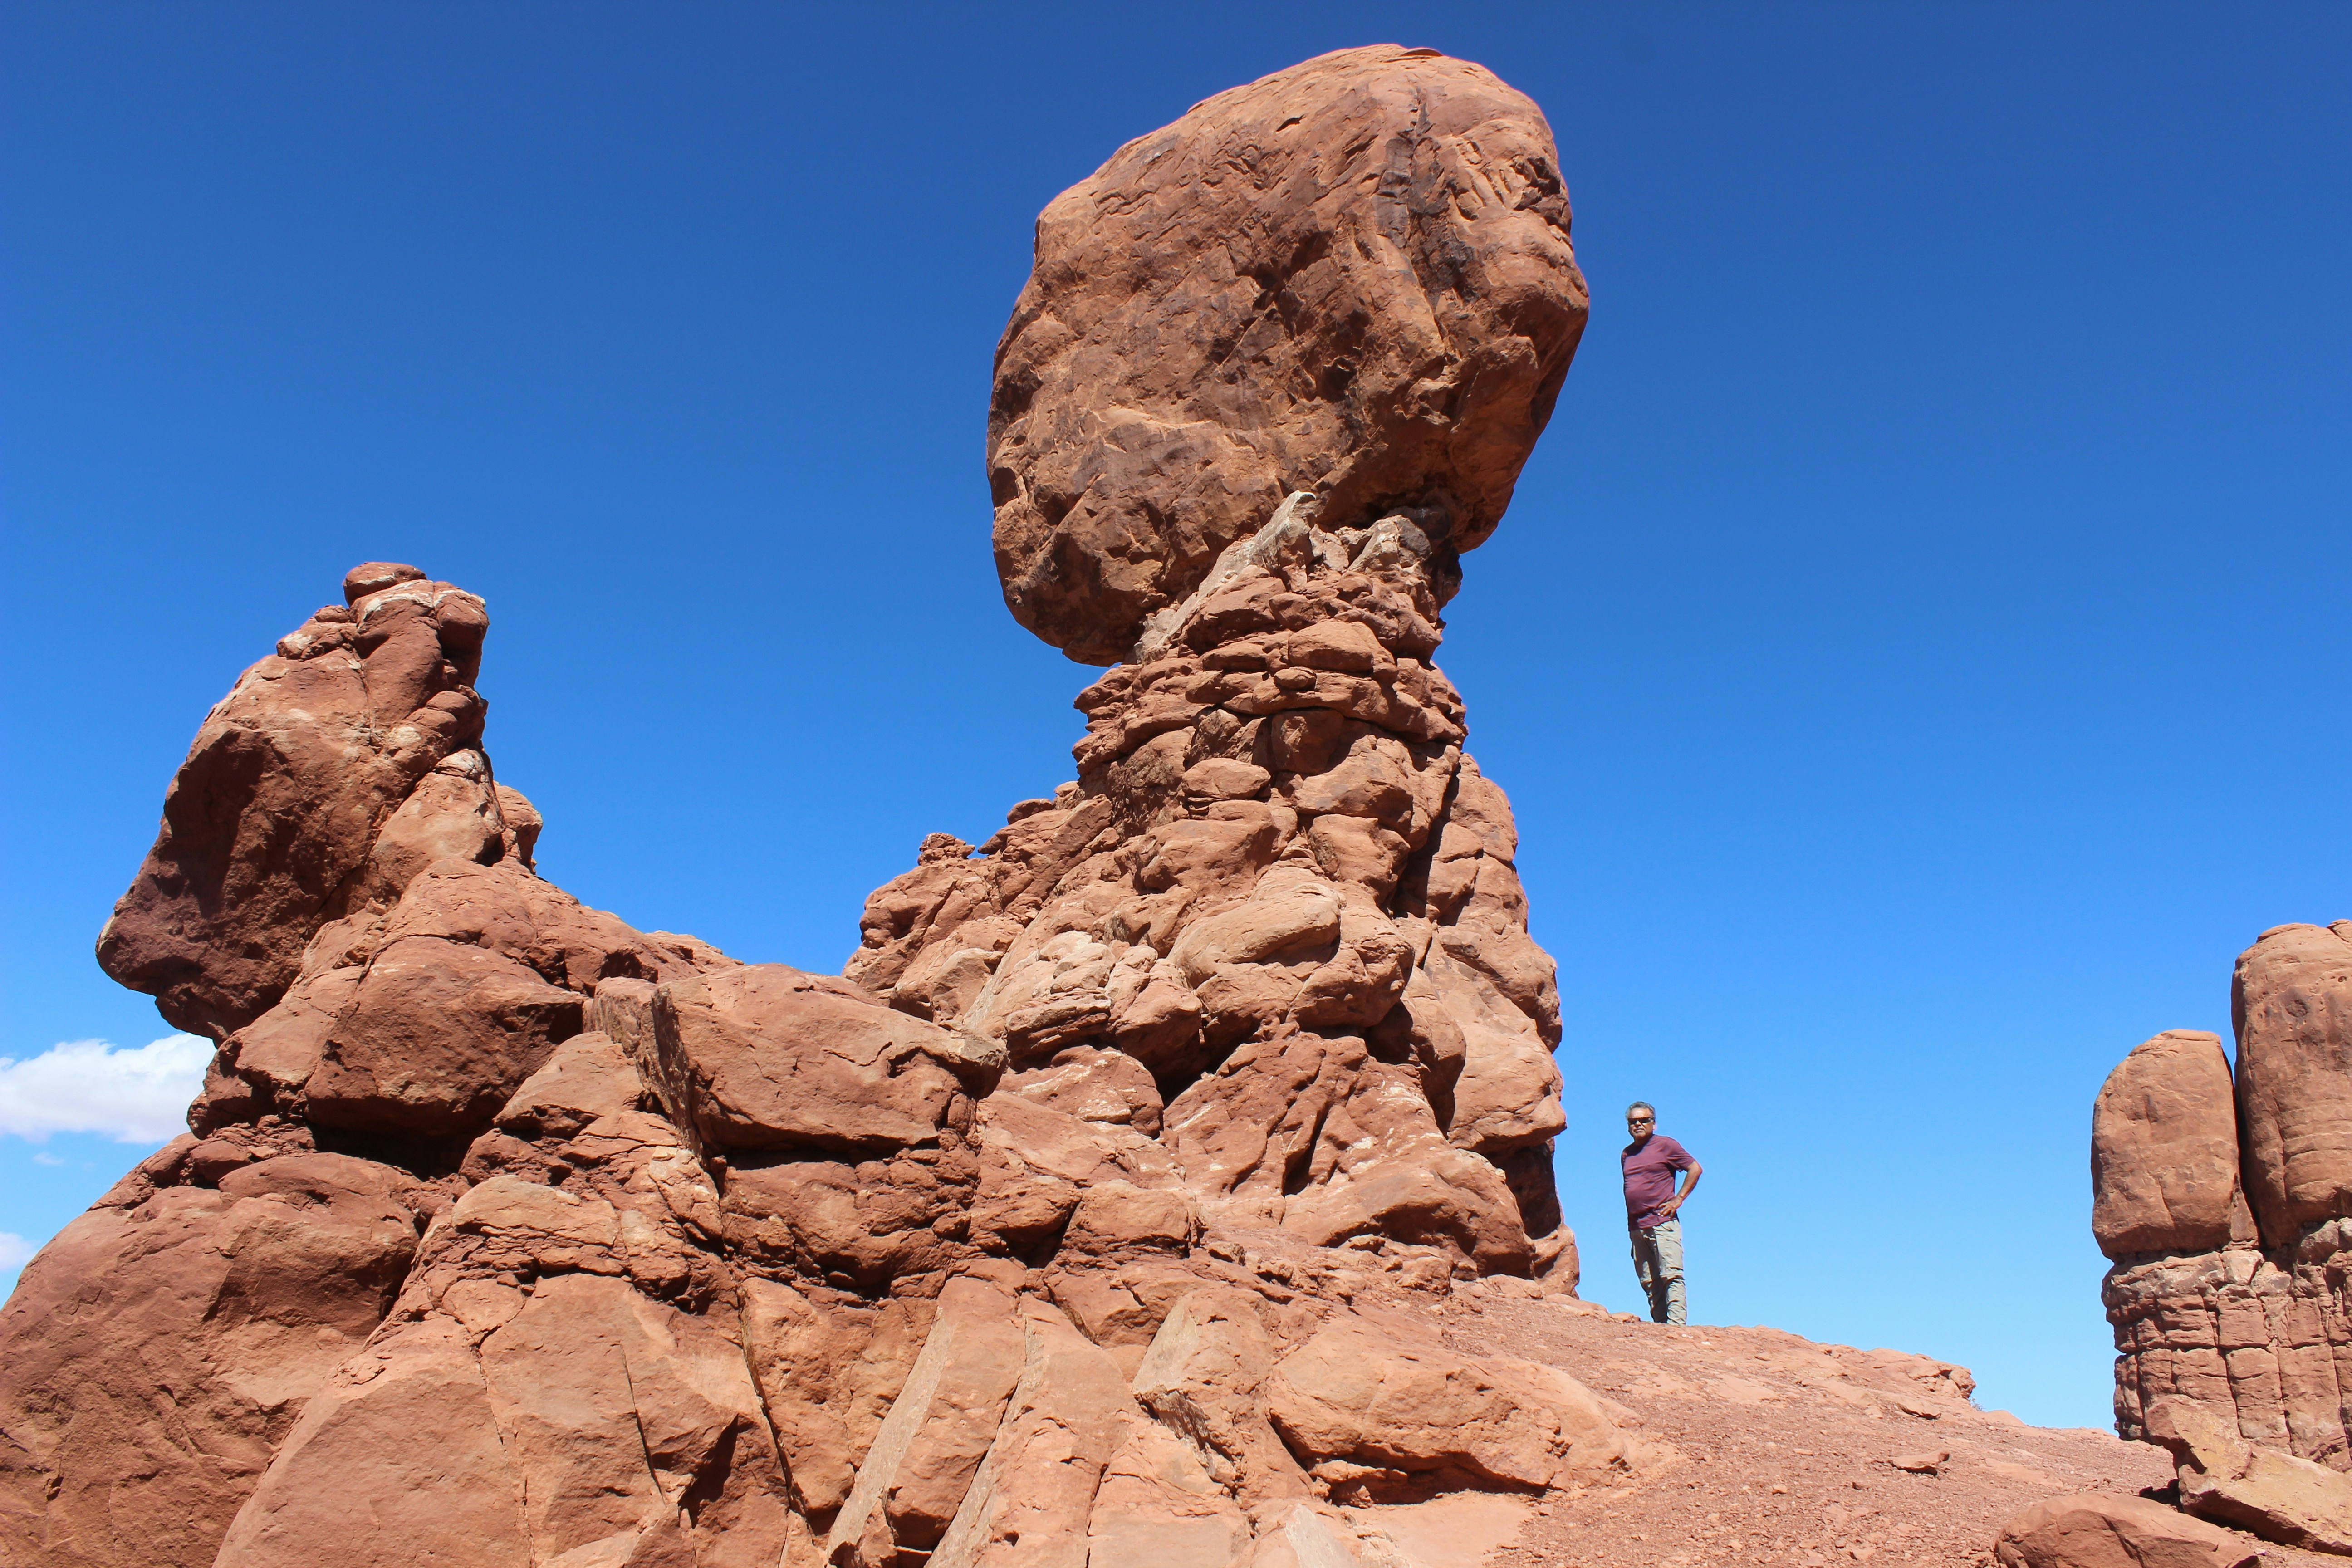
(1652, 1204)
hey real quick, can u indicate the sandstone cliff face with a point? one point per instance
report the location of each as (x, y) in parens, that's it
(1093, 1217)
(2224, 1206)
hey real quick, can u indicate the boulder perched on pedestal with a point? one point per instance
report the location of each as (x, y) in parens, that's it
(1085, 1217)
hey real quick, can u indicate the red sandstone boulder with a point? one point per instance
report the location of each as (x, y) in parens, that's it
(2092, 1530)
(435, 1036)
(504, 907)
(1381, 1392)
(765, 1057)
(2164, 1148)
(2292, 1001)
(2224, 1478)
(1353, 277)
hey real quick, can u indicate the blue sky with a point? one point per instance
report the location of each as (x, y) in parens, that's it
(1915, 654)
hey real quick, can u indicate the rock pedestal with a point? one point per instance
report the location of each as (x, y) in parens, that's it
(1274, 925)
(2224, 1206)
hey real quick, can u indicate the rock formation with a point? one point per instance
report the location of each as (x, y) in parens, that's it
(2222, 1476)
(2093, 1530)
(1352, 279)
(2225, 1206)
(1096, 1215)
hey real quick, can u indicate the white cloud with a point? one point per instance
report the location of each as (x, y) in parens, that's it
(89, 1086)
(14, 1251)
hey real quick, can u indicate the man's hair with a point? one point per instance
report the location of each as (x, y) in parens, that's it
(1642, 1105)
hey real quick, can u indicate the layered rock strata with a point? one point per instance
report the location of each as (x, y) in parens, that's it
(2224, 1205)
(1275, 927)
(1094, 1216)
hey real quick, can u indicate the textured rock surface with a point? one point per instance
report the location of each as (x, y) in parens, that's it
(2223, 1477)
(1271, 940)
(1377, 1392)
(2292, 1004)
(2164, 1149)
(165, 1344)
(2092, 1530)
(404, 1129)
(2239, 1308)
(311, 787)
(1352, 278)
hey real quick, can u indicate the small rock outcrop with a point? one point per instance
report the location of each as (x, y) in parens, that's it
(2224, 1206)
(1098, 1214)
(2092, 1530)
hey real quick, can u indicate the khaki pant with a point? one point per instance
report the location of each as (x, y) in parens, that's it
(1658, 1263)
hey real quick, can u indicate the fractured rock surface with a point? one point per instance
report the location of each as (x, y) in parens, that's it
(2093, 1530)
(1271, 939)
(2222, 1476)
(2224, 1207)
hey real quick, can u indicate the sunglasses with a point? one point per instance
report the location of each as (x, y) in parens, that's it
(1641, 1121)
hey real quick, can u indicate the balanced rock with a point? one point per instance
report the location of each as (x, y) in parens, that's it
(1092, 1213)
(2291, 1003)
(1352, 278)
(2164, 1148)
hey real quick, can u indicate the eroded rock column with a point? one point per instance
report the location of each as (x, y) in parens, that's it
(1274, 925)
(2224, 1205)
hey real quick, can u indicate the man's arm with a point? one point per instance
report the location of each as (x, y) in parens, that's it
(1673, 1205)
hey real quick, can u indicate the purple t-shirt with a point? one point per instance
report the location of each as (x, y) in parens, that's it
(1650, 1170)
